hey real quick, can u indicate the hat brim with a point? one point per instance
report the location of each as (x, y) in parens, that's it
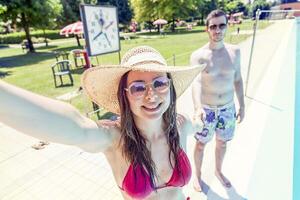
(101, 83)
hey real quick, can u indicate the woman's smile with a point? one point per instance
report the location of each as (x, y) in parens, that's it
(152, 108)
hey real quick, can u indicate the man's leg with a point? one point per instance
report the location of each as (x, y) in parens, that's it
(220, 153)
(198, 158)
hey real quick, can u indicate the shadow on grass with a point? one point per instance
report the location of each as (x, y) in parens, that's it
(58, 48)
(4, 74)
(25, 59)
(3, 46)
(68, 49)
(43, 53)
(77, 71)
(49, 47)
(177, 32)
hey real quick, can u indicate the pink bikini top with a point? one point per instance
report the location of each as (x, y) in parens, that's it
(138, 186)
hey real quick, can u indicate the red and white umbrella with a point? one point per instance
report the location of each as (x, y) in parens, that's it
(160, 22)
(75, 28)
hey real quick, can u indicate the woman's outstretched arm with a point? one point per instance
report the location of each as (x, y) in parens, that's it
(51, 120)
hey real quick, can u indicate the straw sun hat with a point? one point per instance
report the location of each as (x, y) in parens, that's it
(101, 83)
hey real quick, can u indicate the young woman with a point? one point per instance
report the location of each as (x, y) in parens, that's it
(145, 147)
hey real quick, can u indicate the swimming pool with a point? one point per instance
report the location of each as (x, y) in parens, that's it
(296, 171)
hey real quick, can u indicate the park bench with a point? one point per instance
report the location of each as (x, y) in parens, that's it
(61, 55)
(60, 69)
(78, 55)
(126, 37)
(25, 46)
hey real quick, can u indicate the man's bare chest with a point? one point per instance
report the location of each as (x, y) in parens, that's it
(223, 67)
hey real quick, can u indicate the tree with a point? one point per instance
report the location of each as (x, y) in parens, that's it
(259, 4)
(124, 9)
(30, 14)
(144, 10)
(204, 7)
(71, 12)
(2, 9)
(49, 21)
(234, 6)
(174, 9)
(149, 10)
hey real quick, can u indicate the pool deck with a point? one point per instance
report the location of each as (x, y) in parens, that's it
(259, 160)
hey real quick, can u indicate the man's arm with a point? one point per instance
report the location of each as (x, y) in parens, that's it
(239, 88)
(196, 93)
(196, 88)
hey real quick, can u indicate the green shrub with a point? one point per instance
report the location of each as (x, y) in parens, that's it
(18, 37)
(36, 40)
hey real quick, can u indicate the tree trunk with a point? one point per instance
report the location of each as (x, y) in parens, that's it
(149, 26)
(202, 19)
(27, 32)
(173, 24)
(45, 37)
(78, 41)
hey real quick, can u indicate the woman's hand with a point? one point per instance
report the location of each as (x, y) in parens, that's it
(199, 114)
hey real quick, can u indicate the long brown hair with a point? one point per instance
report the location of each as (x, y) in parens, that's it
(134, 144)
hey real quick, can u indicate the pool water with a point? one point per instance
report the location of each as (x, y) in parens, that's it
(296, 171)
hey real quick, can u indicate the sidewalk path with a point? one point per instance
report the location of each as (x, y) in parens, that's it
(258, 161)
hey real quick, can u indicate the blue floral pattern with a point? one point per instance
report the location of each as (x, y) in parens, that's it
(219, 121)
(210, 115)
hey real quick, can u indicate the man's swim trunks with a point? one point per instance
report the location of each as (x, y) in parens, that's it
(219, 119)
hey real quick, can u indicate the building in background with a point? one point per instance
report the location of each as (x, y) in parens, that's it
(289, 6)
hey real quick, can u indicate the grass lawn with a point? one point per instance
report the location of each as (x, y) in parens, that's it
(32, 71)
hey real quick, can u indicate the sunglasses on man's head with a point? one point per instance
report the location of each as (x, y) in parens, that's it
(139, 88)
(215, 26)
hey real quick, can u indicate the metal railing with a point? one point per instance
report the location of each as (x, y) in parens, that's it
(277, 14)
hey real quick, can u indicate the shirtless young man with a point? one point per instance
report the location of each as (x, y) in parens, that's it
(213, 94)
